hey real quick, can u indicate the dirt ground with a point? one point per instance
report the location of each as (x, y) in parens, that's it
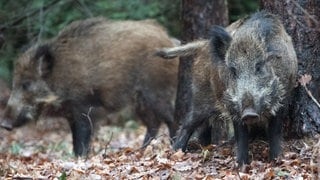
(43, 150)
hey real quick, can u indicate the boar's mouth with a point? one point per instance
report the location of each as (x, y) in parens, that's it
(249, 116)
(9, 124)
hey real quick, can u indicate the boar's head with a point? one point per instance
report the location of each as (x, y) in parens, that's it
(29, 88)
(247, 68)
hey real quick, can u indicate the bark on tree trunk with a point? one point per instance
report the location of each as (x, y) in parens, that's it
(1, 39)
(197, 17)
(302, 21)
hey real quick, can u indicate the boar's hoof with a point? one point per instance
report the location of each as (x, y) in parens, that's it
(249, 116)
(6, 124)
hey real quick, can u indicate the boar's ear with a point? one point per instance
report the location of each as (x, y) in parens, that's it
(44, 60)
(219, 42)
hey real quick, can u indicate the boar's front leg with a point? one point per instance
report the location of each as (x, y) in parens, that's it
(81, 127)
(242, 141)
(275, 135)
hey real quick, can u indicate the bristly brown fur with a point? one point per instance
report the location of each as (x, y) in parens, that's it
(251, 65)
(98, 62)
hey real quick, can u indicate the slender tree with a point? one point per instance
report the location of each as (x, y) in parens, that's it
(197, 18)
(302, 21)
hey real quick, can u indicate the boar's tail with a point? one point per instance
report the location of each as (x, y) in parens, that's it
(183, 50)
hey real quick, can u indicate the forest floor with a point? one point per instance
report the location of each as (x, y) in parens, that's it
(43, 150)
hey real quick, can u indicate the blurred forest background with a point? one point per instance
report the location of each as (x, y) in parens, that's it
(25, 22)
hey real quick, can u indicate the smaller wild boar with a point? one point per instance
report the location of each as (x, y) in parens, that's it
(96, 62)
(244, 75)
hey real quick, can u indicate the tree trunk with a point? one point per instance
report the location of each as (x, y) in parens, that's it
(197, 16)
(1, 39)
(301, 19)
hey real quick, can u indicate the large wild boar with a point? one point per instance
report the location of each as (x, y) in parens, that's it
(96, 62)
(245, 74)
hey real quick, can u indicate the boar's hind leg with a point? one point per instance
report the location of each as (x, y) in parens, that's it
(205, 134)
(164, 111)
(242, 141)
(202, 109)
(153, 110)
(81, 127)
(194, 120)
(147, 116)
(149, 119)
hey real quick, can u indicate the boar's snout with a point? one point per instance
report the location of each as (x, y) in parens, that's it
(6, 120)
(6, 124)
(249, 116)
(15, 118)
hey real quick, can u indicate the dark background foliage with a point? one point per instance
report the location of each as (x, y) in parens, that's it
(25, 22)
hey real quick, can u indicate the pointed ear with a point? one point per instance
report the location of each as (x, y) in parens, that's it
(44, 60)
(219, 41)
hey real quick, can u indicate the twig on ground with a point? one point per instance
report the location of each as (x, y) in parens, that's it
(104, 155)
(91, 125)
(89, 118)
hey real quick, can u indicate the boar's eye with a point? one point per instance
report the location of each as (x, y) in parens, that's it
(274, 55)
(259, 69)
(233, 72)
(26, 85)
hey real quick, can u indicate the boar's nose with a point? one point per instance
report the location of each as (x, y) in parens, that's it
(249, 116)
(5, 123)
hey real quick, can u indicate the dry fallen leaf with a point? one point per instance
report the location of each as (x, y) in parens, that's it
(46, 154)
(305, 79)
(178, 155)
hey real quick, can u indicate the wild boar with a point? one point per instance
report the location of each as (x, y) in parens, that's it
(244, 75)
(96, 62)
